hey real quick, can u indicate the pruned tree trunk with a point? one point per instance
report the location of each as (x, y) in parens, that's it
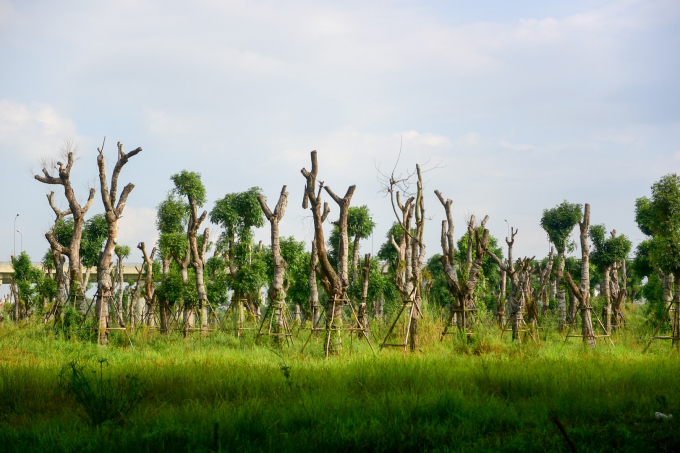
(362, 315)
(313, 289)
(77, 288)
(561, 296)
(582, 293)
(335, 283)
(462, 291)
(149, 290)
(277, 290)
(113, 210)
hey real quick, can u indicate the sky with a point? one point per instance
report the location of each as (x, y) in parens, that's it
(515, 106)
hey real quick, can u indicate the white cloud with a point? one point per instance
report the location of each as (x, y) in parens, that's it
(32, 131)
(516, 146)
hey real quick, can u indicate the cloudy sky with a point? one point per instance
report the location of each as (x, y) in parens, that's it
(523, 103)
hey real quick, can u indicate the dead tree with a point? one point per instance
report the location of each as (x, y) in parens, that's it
(519, 275)
(335, 283)
(582, 293)
(113, 211)
(462, 285)
(411, 253)
(277, 290)
(63, 178)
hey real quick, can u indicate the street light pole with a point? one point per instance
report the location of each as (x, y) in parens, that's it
(15, 235)
(22, 241)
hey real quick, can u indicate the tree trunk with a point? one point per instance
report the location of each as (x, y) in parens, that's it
(313, 289)
(277, 290)
(113, 207)
(583, 292)
(561, 296)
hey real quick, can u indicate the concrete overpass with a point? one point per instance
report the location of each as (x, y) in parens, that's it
(129, 271)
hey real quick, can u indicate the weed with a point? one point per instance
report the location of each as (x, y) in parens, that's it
(102, 399)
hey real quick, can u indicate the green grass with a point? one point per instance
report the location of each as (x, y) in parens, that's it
(224, 394)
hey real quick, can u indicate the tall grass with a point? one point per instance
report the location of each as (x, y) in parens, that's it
(220, 393)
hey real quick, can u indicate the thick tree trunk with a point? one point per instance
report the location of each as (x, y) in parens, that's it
(583, 292)
(362, 315)
(501, 300)
(313, 289)
(113, 207)
(335, 283)
(277, 290)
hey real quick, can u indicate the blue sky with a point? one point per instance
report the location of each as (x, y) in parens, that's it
(524, 103)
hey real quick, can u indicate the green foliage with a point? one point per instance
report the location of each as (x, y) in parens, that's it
(359, 222)
(63, 231)
(102, 399)
(238, 213)
(188, 184)
(660, 216)
(559, 222)
(653, 293)
(122, 251)
(172, 289)
(172, 215)
(217, 280)
(387, 251)
(95, 232)
(173, 244)
(608, 251)
(438, 287)
(297, 269)
(27, 278)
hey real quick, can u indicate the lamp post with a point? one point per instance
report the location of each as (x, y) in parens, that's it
(22, 240)
(508, 227)
(15, 235)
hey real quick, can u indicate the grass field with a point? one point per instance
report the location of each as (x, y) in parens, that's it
(220, 393)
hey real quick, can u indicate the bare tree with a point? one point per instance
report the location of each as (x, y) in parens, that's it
(335, 283)
(277, 290)
(59, 260)
(462, 284)
(113, 211)
(63, 178)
